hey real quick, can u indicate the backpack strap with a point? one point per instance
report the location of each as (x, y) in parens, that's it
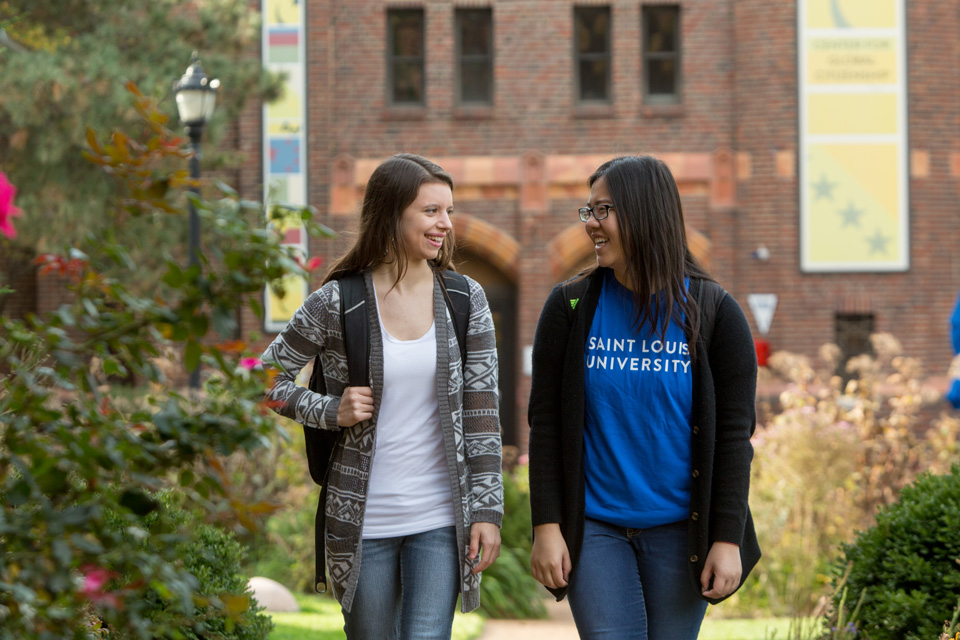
(356, 342)
(353, 319)
(356, 338)
(456, 293)
(709, 297)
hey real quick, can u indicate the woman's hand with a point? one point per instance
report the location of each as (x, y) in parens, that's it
(485, 540)
(550, 558)
(724, 568)
(356, 405)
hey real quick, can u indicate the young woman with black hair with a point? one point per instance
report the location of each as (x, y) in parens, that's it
(640, 435)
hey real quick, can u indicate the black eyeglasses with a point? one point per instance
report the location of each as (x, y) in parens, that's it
(599, 212)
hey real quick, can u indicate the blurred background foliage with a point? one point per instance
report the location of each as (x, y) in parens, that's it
(828, 453)
(63, 70)
(94, 421)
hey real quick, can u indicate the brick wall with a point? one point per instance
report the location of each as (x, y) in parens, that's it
(914, 305)
(732, 143)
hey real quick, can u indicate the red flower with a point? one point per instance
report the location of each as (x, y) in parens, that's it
(7, 211)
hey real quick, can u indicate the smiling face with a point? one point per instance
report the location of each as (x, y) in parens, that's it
(426, 222)
(605, 233)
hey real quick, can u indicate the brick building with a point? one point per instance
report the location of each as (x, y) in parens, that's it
(521, 99)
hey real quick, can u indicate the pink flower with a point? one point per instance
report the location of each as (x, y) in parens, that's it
(313, 263)
(250, 363)
(523, 459)
(7, 211)
(94, 579)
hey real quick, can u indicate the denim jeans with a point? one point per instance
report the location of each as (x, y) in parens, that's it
(634, 584)
(407, 589)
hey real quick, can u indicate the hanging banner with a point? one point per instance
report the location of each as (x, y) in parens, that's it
(854, 199)
(284, 145)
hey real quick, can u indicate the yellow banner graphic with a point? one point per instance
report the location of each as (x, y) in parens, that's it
(853, 146)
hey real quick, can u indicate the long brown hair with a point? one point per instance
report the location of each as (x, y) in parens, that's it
(392, 187)
(653, 236)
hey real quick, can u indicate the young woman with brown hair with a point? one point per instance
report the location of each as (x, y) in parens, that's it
(414, 496)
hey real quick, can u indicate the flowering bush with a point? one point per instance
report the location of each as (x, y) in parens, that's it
(80, 462)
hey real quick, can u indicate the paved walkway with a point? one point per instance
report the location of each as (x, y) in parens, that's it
(559, 626)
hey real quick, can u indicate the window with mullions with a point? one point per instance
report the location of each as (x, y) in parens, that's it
(474, 56)
(661, 53)
(592, 51)
(405, 62)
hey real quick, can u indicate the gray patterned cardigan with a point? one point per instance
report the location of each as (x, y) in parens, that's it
(469, 419)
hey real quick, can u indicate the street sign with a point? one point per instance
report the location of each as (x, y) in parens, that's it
(763, 305)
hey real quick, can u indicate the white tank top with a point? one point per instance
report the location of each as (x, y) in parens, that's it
(409, 489)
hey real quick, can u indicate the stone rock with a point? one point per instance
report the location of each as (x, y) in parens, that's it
(272, 595)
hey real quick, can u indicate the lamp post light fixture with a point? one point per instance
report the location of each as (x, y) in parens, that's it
(196, 96)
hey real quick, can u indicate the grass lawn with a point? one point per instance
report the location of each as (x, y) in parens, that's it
(745, 628)
(320, 619)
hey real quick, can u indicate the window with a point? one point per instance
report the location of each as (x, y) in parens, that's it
(661, 53)
(591, 27)
(405, 72)
(853, 336)
(474, 56)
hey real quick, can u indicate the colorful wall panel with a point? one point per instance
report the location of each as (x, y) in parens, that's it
(854, 180)
(284, 144)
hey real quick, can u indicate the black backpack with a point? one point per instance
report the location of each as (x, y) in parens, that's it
(321, 443)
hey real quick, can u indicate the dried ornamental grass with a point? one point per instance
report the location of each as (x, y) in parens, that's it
(828, 457)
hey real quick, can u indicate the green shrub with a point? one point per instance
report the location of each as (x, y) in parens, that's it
(516, 531)
(222, 607)
(907, 563)
(508, 589)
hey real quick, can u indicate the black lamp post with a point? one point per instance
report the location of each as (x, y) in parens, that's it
(196, 99)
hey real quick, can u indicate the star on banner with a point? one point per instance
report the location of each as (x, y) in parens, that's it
(824, 188)
(851, 216)
(878, 242)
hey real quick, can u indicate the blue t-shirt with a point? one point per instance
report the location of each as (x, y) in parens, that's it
(639, 398)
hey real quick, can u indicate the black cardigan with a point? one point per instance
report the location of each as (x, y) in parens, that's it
(724, 418)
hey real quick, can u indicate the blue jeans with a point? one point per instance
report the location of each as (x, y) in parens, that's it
(407, 589)
(634, 584)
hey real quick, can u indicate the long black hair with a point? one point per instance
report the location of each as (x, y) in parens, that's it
(653, 239)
